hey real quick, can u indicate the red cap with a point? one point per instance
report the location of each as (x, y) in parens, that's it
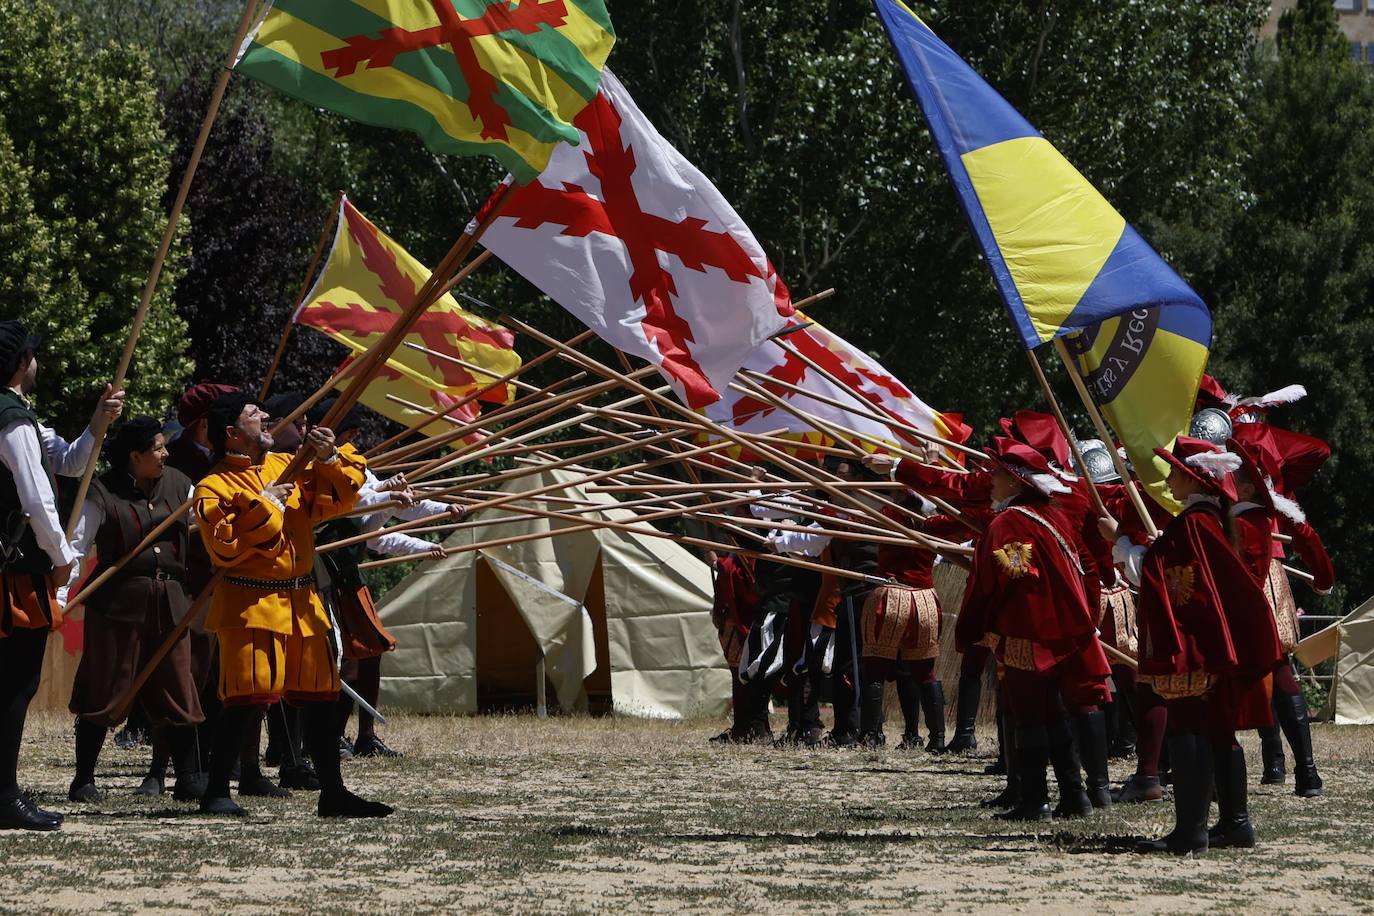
(1211, 394)
(1207, 464)
(1041, 432)
(1027, 465)
(195, 403)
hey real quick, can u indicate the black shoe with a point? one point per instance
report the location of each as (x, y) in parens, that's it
(1025, 812)
(300, 777)
(997, 768)
(190, 787)
(18, 813)
(221, 806)
(86, 793)
(127, 739)
(1007, 798)
(262, 787)
(344, 803)
(151, 786)
(345, 748)
(41, 812)
(725, 737)
(910, 743)
(1234, 835)
(832, 739)
(1193, 843)
(1122, 750)
(1139, 789)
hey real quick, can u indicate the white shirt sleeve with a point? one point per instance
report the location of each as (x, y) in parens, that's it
(68, 459)
(798, 542)
(84, 536)
(772, 513)
(399, 544)
(19, 452)
(1130, 557)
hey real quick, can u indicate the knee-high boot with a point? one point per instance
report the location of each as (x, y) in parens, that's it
(1029, 758)
(1191, 756)
(1010, 795)
(1292, 715)
(1275, 772)
(1090, 731)
(1233, 827)
(933, 708)
(966, 714)
(871, 714)
(224, 753)
(909, 699)
(1073, 801)
(191, 782)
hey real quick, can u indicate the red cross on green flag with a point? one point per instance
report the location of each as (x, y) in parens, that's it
(504, 78)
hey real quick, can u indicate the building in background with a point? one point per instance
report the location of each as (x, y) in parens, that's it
(1356, 19)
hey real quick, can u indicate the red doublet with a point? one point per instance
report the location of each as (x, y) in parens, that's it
(736, 596)
(1026, 587)
(1201, 608)
(913, 565)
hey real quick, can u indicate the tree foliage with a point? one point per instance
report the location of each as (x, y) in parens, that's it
(83, 164)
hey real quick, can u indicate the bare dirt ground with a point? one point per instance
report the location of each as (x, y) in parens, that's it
(517, 814)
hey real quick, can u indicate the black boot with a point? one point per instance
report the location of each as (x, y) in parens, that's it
(1090, 731)
(1292, 712)
(909, 699)
(297, 771)
(1233, 827)
(1275, 771)
(1029, 759)
(224, 753)
(1192, 762)
(933, 708)
(1010, 796)
(321, 727)
(966, 714)
(1073, 801)
(845, 730)
(1122, 746)
(190, 784)
(1001, 765)
(871, 715)
(90, 738)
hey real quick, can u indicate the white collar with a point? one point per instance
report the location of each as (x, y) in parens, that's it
(1196, 498)
(1241, 508)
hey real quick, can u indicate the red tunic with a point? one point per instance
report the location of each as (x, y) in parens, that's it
(971, 489)
(1026, 586)
(1201, 608)
(1309, 546)
(1254, 540)
(736, 596)
(914, 565)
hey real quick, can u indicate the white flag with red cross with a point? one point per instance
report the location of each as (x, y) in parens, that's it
(630, 237)
(882, 395)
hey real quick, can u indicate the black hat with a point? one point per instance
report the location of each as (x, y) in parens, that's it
(225, 412)
(351, 420)
(281, 406)
(15, 341)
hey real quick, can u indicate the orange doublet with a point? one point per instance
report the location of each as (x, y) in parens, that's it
(271, 640)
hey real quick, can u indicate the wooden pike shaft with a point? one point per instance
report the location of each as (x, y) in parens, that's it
(99, 426)
(777, 525)
(511, 497)
(814, 298)
(485, 389)
(649, 531)
(517, 408)
(300, 297)
(1067, 431)
(465, 454)
(844, 386)
(659, 420)
(1091, 406)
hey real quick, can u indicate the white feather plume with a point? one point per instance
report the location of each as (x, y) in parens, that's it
(1215, 464)
(1285, 506)
(1286, 395)
(1048, 484)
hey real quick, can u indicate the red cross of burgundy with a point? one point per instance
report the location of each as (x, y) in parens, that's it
(619, 215)
(459, 34)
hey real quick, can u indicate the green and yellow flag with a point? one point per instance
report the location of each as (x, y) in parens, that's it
(498, 77)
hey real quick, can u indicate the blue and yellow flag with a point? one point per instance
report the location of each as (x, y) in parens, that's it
(1063, 258)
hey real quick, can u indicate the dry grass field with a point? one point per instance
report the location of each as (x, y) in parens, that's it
(575, 815)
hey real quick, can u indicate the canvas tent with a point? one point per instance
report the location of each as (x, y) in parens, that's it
(621, 620)
(1351, 701)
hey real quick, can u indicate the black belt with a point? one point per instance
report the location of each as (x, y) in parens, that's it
(273, 585)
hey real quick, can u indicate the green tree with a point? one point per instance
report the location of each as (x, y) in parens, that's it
(1293, 300)
(84, 166)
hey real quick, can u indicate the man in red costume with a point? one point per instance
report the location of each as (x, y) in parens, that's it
(1027, 590)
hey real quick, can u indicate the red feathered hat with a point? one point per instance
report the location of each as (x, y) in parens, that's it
(1298, 456)
(1262, 467)
(1209, 465)
(1027, 465)
(1041, 432)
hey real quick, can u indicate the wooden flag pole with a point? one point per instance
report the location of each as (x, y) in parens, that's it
(814, 298)
(1105, 435)
(1068, 433)
(100, 426)
(325, 233)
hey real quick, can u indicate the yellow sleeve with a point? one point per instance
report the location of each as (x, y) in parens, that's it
(238, 525)
(331, 490)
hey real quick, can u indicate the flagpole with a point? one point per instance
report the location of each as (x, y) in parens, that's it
(300, 297)
(1076, 376)
(1068, 433)
(100, 426)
